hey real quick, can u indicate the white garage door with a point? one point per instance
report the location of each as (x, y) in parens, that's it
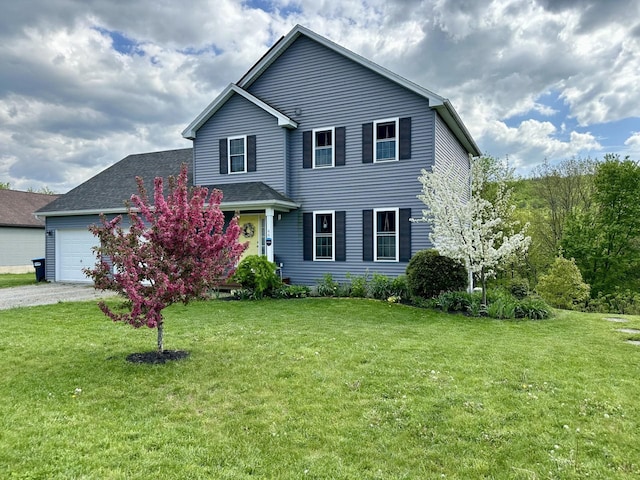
(73, 253)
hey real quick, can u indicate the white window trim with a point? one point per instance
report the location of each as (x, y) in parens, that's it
(244, 138)
(375, 140)
(375, 234)
(333, 147)
(333, 236)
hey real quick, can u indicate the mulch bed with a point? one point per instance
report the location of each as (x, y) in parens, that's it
(157, 357)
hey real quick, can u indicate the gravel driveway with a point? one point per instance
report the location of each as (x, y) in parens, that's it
(48, 293)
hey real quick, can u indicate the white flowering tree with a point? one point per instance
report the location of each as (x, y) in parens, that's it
(465, 225)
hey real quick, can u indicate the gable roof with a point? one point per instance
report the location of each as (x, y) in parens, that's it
(17, 208)
(108, 190)
(440, 104)
(220, 100)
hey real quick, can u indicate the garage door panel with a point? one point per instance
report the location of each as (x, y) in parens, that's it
(74, 252)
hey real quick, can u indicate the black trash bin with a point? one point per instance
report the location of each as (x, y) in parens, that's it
(38, 264)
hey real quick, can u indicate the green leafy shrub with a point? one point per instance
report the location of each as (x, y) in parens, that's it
(621, 301)
(519, 288)
(257, 274)
(458, 301)
(400, 287)
(380, 287)
(562, 286)
(292, 291)
(502, 307)
(328, 287)
(359, 287)
(533, 308)
(429, 274)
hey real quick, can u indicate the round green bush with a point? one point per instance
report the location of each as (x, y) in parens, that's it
(562, 286)
(257, 274)
(429, 274)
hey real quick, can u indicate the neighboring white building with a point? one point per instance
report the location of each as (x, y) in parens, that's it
(22, 235)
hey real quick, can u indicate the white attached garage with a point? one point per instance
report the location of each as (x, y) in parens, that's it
(73, 253)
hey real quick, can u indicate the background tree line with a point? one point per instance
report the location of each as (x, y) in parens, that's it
(582, 209)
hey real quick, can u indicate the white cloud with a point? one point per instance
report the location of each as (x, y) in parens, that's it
(633, 142)
(71, 104)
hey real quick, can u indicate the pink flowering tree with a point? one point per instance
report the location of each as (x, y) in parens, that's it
(174, 251)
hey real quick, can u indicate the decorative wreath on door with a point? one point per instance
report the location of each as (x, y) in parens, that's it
(248, 230)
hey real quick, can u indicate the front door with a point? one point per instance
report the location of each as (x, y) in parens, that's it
(251, 231)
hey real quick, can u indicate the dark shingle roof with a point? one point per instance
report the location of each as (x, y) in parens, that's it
(108, 190)
(17, 208)
(249, 192)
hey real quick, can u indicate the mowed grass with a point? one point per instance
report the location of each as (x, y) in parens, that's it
(318, 389)
(17, 279)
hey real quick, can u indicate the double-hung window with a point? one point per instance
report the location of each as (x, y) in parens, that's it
(386, 234)
(323, 147)
(323, 235)
(237, 154)
(385, 140)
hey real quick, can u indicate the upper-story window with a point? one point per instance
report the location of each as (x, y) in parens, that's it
(323, 147)
(386, 140)
(237, 154)
(323, 151)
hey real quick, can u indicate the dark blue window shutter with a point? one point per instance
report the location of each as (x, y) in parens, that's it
(405, 138)
(307, 235)
(367, 143)
(367, 235)
(251, 153)
(341, 244)
(340, 146)
(224, 166)
(307, 146)
(404, 223)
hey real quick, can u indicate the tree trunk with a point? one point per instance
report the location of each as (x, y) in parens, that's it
(483, 280)
(160, 337)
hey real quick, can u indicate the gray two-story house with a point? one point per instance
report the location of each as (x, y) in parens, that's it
(316, 147)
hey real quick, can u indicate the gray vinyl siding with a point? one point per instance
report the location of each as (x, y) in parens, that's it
(348, 95)
(448, 149)
(240, 117)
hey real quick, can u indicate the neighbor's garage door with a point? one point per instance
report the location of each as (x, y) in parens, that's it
(73, 253)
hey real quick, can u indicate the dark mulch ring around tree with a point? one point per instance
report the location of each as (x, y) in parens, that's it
(157, 357)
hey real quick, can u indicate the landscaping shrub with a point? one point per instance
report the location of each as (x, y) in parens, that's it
(458, 301)
(359, 287)
(380, 287)
(519, 288)
(502, 307)
(429, 274)
(562, 286)
(258, 275)
(292, 291)
(328, 287)
(400, 288)
(622, 302)
(533, 308)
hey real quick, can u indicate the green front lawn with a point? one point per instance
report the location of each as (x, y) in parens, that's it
(318, 389)
(17, 279)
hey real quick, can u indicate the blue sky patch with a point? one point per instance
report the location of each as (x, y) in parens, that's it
(121, 43)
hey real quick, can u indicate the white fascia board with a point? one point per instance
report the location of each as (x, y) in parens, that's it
(225, 95)
(74, 213)
(453, 121)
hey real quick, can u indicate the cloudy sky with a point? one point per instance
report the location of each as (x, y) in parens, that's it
(84, 83)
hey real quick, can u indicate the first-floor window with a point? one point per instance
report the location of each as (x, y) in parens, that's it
(237, 155)
(386, 234)
(323, 235)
